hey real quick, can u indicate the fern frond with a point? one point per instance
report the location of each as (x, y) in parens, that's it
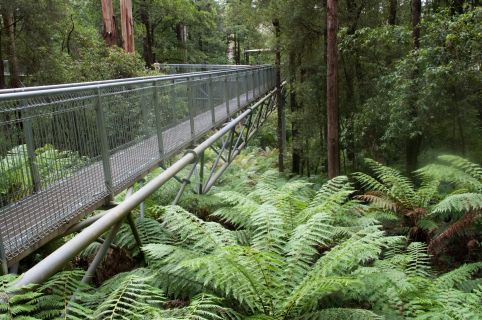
(453, 278)
(468, 167)
(202, 307)
(18, 303)
(302, 248)
(267, 225)
(193, 231)
(341, 314)
(134, 298)
(458, 203)
(63, 294)
(419, 263)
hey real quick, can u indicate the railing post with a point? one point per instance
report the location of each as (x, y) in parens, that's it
(246, 86)
(32, 163)
(238, 93)
(3, 257)
(253, 84)
(157, 114)
(190, 107)
(226, 95)
(104, 144)
(210, 99)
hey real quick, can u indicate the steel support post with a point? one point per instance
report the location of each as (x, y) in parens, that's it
(157, 115)
(246, 87)
(226, 94)
(185, 182)
(238, 93)
(211, 100)
(32, 162)
(190, 107)
(104, 144)
(3, 257)
(89, 274)
(216, 161)
(135, 232)
(201, 172)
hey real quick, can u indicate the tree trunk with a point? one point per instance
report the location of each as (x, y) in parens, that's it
(109, 28)
(148, 39)
(331, 94)
(414, 142)
(392, 12)
(181, 34)
(127, 25)
(416, 15)
(9, 27)
(296, 139)
(2, 69)
(281, 132)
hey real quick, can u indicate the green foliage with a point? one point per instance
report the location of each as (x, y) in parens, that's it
(447, 205)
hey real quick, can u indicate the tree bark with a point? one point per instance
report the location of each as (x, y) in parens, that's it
(296, 139)
(148, 39)
(392, 12)
(181, 35)
(2, 69)
(416, 15)
(109, 26)
(127, 24)
(332, 94)
(9, 27)
(281, 130)
(414, 142)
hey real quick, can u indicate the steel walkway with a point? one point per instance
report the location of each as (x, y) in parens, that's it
(101, 138)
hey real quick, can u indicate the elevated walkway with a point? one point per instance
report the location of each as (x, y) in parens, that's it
(101, 138)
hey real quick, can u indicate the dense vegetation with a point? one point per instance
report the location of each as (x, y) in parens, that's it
(275, 248)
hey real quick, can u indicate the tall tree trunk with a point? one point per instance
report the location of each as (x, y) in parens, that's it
(414, 142)
(281, 130)
(181, 34)
(392, 12)
(332, 94)
(148, 39)
(9, 27)
(109, 32)
(416, 15)
(127, 25)
(296, 139)
(2, 69)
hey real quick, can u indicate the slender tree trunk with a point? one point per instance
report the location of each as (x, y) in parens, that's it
(414, 143)
(8, 23)
(332, 94)
(109, 32)
(281, 130)
(148, 39)
(181, 34)
(296, 139)
(392, 12)
(2, 69)
(127, 24)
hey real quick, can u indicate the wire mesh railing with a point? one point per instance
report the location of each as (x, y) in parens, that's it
(65, 151)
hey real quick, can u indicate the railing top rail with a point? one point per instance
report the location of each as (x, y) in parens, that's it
(70, 87)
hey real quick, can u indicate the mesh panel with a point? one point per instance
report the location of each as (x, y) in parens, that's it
(64, 151)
